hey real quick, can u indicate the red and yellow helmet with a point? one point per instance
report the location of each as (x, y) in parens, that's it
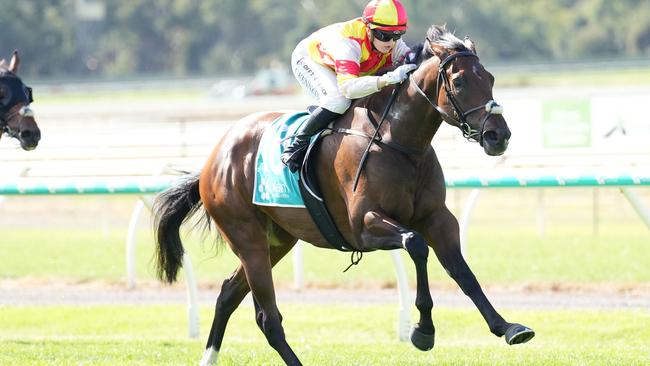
(386, 15)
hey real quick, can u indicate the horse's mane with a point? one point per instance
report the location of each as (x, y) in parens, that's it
(436, 35)
(440, 36)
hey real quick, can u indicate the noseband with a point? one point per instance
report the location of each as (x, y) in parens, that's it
(491, 107)
(23, 112)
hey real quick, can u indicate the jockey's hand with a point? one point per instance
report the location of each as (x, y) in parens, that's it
(411, 58)
(396, 76)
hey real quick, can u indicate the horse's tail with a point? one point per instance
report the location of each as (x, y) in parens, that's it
(171, 208)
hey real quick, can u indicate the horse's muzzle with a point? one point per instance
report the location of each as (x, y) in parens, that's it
(495, 141)
(29, 139)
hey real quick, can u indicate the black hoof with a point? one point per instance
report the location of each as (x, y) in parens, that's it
(422, 341)
(517, 334)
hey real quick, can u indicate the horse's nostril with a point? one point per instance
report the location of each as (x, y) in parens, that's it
(30, 135)
(491, 136)
(25, 135)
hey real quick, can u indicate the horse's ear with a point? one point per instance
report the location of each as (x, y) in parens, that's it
(15, 63)
(469, 44)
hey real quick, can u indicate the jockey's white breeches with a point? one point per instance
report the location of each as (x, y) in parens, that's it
(318, 80)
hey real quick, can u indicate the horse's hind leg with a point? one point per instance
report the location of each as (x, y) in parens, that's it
(233, 291)
(443, 234)
(257, 266)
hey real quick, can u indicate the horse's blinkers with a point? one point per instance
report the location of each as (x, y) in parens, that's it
(13, 91)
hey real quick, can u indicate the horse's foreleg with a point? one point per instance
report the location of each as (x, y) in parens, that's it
(382, 232)
(443, 234)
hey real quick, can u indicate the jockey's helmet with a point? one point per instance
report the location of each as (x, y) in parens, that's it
(386, 15)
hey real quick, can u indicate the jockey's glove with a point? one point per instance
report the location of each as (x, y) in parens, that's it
(411, 58)
(396, 76)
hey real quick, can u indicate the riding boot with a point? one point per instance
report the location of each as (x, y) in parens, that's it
(293, 155)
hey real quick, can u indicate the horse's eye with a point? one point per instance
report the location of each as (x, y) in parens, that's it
(458, 83)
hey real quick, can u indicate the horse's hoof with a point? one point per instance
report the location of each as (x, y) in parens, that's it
(209, 357)
(422, 341)
(517, 334)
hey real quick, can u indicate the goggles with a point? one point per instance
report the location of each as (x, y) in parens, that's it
(385, 36)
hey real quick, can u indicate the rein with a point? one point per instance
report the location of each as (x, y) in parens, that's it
(491, 107)
(391, 101)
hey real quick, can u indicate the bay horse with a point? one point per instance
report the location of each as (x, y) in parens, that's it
(16, 116)
(399, 202)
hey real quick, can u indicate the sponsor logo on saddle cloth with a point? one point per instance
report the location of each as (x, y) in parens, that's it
(275, 185)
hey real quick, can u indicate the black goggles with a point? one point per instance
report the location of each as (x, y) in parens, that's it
(385, 36)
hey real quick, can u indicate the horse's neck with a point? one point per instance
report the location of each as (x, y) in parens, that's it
(413, 122)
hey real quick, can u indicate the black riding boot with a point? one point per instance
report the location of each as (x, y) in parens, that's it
(293, 155)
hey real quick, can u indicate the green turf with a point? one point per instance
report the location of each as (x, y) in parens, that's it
(618, 254)
(320, 335)
(504, 245)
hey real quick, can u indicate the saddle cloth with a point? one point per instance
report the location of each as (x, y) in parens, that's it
(275, 184)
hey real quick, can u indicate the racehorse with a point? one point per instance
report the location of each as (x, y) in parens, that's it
(16, 117)
(399, 202)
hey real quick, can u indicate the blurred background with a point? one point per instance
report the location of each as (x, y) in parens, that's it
(145, 87)
(97, 39)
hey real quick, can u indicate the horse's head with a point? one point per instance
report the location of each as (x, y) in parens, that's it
(459, 87)
(16, 117)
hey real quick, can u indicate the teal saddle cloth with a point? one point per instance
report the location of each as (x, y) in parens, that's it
(275, 184)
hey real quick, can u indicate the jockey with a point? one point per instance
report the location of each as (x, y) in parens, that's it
(339, 62)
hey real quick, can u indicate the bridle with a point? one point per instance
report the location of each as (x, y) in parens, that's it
(15, 93)
(491, 107)
(23, 112)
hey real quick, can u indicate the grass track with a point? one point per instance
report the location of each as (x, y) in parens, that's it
(347, 335)
(618, 254)
(504, 249)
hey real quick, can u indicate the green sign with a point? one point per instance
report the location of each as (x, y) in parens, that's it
(566, 123)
